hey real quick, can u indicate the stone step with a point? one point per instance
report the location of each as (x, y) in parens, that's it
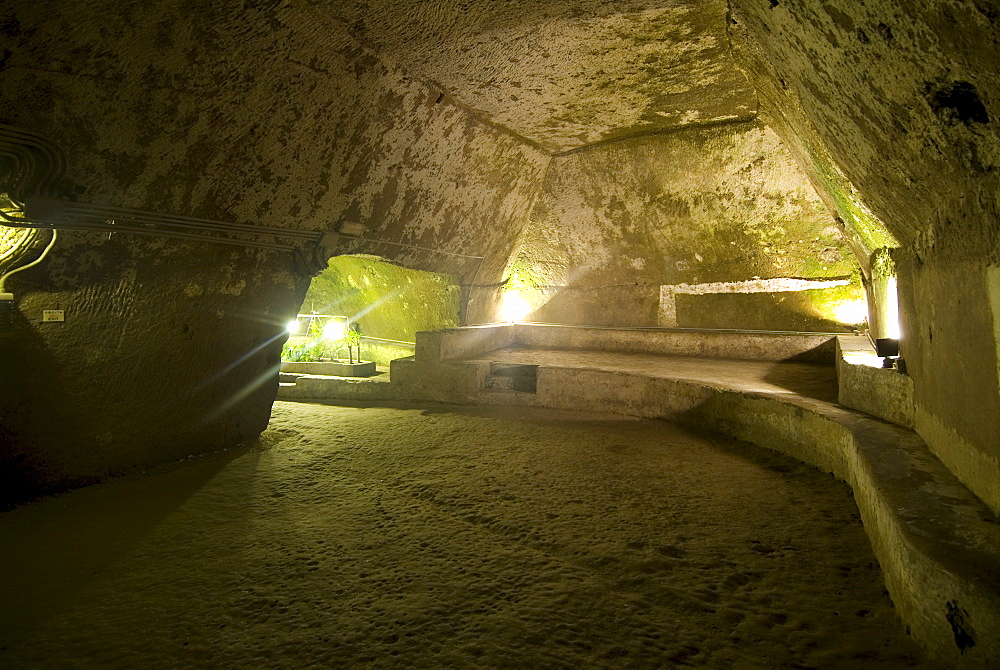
(512, 377)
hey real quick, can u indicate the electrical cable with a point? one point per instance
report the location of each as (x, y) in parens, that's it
(54, 165)
(33, 263)
(132, 230)
(414, 246)
(38, 172)
(103, 212)
(16, 246)
(99, 222)
(23, 166)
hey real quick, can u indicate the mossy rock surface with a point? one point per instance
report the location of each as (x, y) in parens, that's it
(385, 300)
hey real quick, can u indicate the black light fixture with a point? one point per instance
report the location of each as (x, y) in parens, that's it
(887, 348)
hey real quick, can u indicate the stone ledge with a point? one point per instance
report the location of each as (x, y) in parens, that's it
(323, 387)
(330, 368)
(704, 343)
(938, 545)
(863, 384)
(468, 342)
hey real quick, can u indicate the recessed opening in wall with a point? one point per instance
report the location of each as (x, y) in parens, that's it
(522, 294)
(367, 309)
(514, 306)
(883, 295)
(831, 304)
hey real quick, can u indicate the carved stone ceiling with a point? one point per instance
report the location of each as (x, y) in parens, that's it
(564, 73)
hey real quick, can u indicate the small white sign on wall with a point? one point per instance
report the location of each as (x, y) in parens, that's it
(50, 315)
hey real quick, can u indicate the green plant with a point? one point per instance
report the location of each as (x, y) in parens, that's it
(306, 352)
(353, 339)
(317, 346)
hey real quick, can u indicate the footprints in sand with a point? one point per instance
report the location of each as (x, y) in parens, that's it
(604, 550)
(672, 550)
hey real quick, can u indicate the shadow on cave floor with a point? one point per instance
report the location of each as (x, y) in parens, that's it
(812, 381)
(84, 535)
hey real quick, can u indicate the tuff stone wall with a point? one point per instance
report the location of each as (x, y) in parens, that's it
(279, 113)
(901, 101)
(271, 114)
(383, 299)
(550, 69)
(721, 204)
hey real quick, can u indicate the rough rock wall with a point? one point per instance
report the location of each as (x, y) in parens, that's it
(384, 299)
(550, 69)
(721, 204)
(269, 115)
(902, 99)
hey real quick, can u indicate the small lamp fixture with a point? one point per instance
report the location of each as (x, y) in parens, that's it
(887, 348)
(514, 306)
(336, 328)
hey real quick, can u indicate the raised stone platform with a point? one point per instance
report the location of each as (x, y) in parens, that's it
(298, 386)
(938, 545)
(330, 368)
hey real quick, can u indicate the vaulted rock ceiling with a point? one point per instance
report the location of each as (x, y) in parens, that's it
(565, 73)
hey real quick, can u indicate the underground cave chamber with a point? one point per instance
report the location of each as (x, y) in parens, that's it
(660, 185)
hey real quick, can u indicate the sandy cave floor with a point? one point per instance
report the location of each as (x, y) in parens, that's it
(439, 536)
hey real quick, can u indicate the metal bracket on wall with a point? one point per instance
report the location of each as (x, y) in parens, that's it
(6, 314)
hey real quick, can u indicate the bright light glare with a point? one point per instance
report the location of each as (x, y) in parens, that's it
(891, 309)
(514, 307)
(292, 326)
(851, 312)
(335, 330)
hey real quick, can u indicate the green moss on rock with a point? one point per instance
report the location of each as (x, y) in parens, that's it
(386, 300)
(856, 216)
